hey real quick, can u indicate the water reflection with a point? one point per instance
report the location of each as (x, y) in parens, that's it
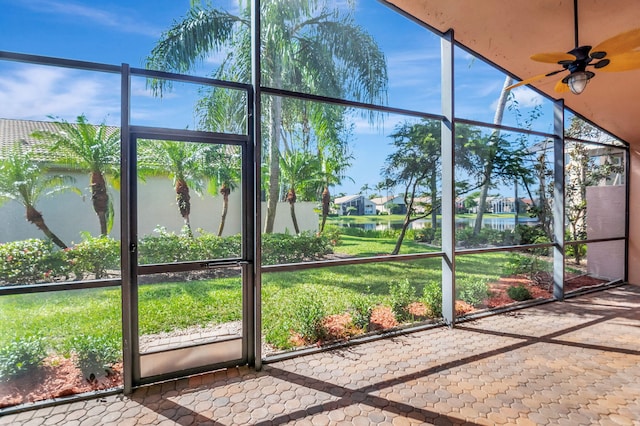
(497, 223)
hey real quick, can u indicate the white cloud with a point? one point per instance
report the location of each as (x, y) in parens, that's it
(527, 98)
(34, 92)
(413, 69)
(381, 126)
(124, 20)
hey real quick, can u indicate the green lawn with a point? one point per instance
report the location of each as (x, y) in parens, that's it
(61, 315)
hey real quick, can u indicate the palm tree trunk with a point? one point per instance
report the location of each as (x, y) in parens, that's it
(482, 202)
(184, 203)
(274, 164)
(225, 191)
(36, 218)
(291, 198)
(497, 119)
(100, 199)
(326, 200)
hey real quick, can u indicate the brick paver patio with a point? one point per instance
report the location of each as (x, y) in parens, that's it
(563, 363)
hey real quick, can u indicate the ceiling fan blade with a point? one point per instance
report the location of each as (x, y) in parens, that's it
(621, 43)
(561, 87)
(532, 79)
(622, 62)
(553, 57)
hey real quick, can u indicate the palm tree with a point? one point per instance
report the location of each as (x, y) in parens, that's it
(24, 181)
(489, 160)
(332, 172)
(300, 169)
(222, 163)
(364, 189)
(307, 45)
(87, 147)
(183, 162)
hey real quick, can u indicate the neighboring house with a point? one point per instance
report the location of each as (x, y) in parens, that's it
(385, 204)
(359, 203)
(423, 205)
(498, 204)
(12, 131)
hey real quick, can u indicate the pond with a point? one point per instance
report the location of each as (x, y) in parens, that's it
(505, 223)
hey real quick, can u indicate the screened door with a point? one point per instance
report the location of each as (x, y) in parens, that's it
(189, 252)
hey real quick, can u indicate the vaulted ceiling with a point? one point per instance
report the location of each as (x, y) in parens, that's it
(507, 33)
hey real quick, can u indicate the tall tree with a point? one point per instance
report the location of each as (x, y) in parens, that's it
(489, 160)
(332, 169)
(92, 148)
(222, 163)
(364, 189)
(183, 161)
(414, 164)
(306, 45)
(299, 169)
(23, 180)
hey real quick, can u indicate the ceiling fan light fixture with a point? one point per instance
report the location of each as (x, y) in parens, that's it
(578, 80)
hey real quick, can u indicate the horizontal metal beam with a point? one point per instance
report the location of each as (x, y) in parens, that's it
(190, 79)
(59, 62)
(289, 267)
(144, 132)
(66, 286)
(354, 104)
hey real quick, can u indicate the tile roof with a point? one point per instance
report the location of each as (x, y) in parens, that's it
(12, 131)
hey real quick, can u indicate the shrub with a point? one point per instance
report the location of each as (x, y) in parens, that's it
(432, 297)
(21, 356)
(284, 248)
(530, 265)
(332, 233)
(425, 235)
(472, 291)
(95, 354)
(30, 261)
(402, 294)
(94, 255)
(361, 307)
(518, 264)
(307, 316)
(33, 261)
(167, 247)
(531, 234)
(519, 293)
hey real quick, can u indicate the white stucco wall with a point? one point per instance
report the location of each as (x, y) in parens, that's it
(69, 214)
(606, 219)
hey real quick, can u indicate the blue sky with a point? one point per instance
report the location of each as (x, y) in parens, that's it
(116, 32)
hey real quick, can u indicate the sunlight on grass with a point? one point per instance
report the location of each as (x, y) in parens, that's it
(59, 316)
(167, 306)
(366, 247)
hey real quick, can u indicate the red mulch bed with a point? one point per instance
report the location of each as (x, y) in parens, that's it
(538, 290)
(58, 377)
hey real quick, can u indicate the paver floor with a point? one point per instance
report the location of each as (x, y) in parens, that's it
(564, 363)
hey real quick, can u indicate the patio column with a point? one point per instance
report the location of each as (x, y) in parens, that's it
(127, 230)
(558, 200)
(253, 304)
(448, 194)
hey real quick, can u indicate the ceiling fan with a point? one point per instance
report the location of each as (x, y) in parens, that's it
(612, 55)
